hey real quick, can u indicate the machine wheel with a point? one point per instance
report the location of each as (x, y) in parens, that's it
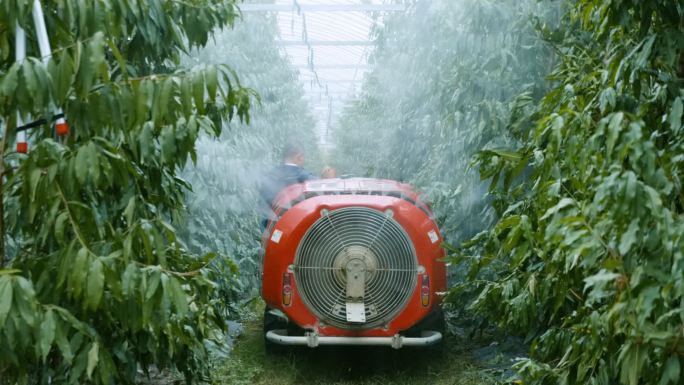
(438, 323)
(273, 322)
(434, 321)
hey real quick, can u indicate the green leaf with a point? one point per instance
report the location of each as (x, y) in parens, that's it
(95, 284)
(77, 279)
(152, 285)
(129, 279)
(85, 73)
(178, 296)
(632, 359)
(96, 50)
(64, 76)
(63, 343)
(47, 334)
(601, 277)
(34, 179)
(211, 79)
(82, 163)
(198, 91)
(164, 306)
(675, 117)
(563, 203)
(614, 129)
(119, 57)
(146, 142)
(607, 99)
(9, 81)
(24, 299)
(165, 96)
(645, 52)
(5, 297)
(93, 359)
(508, 222)
(168, 143)
(671, 372)
(186, 96)
(29, 76)
(130, 211)
(60, 223)
(629, 237)
(93, 154)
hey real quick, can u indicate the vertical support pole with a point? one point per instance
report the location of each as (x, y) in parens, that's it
(20, 55)
(41, 32)
(20, 46)
(61, 126)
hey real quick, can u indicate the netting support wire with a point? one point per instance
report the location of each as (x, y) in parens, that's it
(300, 8)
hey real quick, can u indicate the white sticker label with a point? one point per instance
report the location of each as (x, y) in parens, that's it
(433, 236)
(276, 236)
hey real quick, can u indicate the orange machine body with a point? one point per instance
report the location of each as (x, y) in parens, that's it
(297, 207)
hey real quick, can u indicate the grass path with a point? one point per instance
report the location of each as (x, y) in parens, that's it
(249, 364)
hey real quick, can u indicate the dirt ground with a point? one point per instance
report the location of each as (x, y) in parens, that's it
(250, 364)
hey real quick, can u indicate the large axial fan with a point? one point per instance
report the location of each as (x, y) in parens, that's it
(356, 267)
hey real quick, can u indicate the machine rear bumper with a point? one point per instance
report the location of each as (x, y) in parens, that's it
(313, 340)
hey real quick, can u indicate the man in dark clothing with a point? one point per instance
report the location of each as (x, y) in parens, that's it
(291, 171)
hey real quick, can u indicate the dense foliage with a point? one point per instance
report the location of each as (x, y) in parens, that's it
(589, 249)
(223, 211)
(99, 284)
(442, 79)
(586, 256)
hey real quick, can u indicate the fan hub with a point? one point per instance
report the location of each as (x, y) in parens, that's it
(354, 255)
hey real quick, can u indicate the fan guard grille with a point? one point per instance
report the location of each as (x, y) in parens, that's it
(356, 233)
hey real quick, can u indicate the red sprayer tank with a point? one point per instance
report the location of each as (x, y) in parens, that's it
(354, 262)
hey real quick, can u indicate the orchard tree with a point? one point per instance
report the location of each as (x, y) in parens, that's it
(588, 254)
(443, 78)
(95, 284)
(223, 209)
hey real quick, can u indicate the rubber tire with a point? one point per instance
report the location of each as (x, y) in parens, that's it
(273, 322)
(439, 324)
(435, 322)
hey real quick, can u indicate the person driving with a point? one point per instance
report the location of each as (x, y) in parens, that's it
(290, 171)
